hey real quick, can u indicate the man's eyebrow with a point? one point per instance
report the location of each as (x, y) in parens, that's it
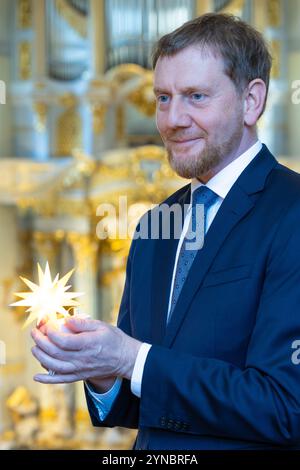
(157, 91)
(196, 88)
(185, 91)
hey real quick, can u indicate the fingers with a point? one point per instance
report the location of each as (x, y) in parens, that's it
(67, 341)
(42, 341)
(56, 379)
(49, 363)
(79, 325)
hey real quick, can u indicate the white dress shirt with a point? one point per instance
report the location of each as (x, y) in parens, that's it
(221, 184)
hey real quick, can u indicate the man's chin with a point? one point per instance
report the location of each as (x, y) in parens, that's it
(183, 171)
(189, 166)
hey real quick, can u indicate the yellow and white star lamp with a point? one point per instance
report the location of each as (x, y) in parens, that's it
(47, 299)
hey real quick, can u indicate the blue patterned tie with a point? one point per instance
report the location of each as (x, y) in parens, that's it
(206, 197)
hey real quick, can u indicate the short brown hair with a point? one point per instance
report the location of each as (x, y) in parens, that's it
(243, 49)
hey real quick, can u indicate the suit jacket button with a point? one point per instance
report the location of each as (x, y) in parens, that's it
(163, 421)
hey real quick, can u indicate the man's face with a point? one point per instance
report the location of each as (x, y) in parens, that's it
(199, 113)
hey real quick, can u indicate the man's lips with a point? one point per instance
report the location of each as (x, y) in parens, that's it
(183, 141)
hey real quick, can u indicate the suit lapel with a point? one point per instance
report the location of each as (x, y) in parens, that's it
(163, 265)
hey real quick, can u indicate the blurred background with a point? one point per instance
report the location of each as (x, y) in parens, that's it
(77, 129)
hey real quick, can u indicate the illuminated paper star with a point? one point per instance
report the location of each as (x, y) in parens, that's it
(48, 298)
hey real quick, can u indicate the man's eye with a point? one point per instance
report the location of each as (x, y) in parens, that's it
(198, 96)
(162, 98)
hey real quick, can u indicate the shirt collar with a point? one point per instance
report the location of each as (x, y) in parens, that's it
(223, 181)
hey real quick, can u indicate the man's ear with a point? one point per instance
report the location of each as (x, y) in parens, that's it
(254, 99)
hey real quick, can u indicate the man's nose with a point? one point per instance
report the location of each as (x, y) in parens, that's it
(178, 115)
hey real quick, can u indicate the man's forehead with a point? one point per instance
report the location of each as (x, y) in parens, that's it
(188, 69)
(196, 52)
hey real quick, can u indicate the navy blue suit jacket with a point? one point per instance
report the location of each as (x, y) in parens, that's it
(220, 375)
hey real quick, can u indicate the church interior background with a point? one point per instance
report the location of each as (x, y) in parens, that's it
(77, 117)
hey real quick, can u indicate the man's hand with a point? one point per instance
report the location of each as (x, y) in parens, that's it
(93, 350)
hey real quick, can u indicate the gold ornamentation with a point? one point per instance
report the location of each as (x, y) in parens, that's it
(140, 82)
(109, 277)
(124, 72)
(25, 60)
(274, 13)
(75, 19)
(161, 170)
(24, 14)
(99, 112)
(46, 245)
(120, 123)
(15, 368)
(20, 396)
(67, 100)
(7, 285)
(46, 207)
(40, 109)
(85, 165)
(48, 414)
(128, 175)
(234, 7)
(85, 248)
(82, 416)
(143, 97)
(68, 132)
(54, 205)
(275, 46)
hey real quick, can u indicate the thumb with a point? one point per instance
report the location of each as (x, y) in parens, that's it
(77, 324)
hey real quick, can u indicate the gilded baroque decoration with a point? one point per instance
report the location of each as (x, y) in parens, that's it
(23, 268)
(132, 172)
(137, 84)
(85, 165)
(40, 109)
(109, 277)
(132, 85)
(152, 179)
(120, 123)
(55, 204)
(124, 72)
(24, 14)
(25, 60)
(143, 97)
(85, 248)
(68, 127)
(274, 13)
(67, 100)
(46, 245)
(275, 46)
(234, 7)
(23, 408)
(76, 20)
(99, 112)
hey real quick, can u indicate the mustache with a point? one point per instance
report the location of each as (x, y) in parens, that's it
(184, 136)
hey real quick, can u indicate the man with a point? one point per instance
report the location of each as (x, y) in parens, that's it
(206, 360)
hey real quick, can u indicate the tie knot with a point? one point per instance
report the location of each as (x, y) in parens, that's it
(204, 195)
